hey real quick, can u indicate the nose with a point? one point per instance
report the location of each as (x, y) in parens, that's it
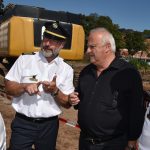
(47, 43)
(88, 50)
(50, 43)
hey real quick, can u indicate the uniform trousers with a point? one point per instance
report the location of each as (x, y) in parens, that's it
(2, 134)
(27, 132)
(118, 143)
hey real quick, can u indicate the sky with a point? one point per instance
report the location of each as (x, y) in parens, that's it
(128, 14)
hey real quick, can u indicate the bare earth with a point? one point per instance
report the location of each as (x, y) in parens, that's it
(67, 136)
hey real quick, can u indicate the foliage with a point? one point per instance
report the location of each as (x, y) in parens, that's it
(125, 38)
(146, 32)
(1, 7)
(139, 63)
(135, 41)
(94, 20)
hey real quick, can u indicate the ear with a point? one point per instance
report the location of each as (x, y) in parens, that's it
(108, 48)
(62, 44)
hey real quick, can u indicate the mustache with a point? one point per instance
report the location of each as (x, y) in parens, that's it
(46, 48)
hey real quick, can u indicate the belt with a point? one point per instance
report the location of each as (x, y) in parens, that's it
(101, 139)
(38, 120)
(98, 140)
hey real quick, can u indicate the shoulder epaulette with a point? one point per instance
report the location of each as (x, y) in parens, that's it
(28, 53)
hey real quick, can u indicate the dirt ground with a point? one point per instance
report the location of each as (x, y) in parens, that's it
(67, 136)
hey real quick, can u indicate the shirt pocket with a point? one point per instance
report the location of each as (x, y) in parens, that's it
(29, 76)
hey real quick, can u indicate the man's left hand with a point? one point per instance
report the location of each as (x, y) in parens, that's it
(50, 87)
(132, 145)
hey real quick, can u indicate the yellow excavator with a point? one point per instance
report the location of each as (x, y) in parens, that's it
(21, 29)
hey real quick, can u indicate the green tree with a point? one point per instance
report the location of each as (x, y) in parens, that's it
(125, 38)
(1, 7)
(114, 29)
(94, 20)
(135, 41)
(146, 32)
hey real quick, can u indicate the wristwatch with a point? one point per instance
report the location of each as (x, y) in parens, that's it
(54, 94)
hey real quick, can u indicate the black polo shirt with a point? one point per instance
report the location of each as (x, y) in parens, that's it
(111, 104)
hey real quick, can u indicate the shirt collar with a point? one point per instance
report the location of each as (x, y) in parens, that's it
(115, 64)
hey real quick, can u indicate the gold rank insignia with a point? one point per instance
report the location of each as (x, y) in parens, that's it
(55, 25)
(33, 78)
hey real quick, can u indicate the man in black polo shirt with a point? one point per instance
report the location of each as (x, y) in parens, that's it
(109, 98)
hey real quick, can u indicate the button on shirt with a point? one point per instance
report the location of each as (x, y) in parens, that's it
(112, 103)
(35, 68)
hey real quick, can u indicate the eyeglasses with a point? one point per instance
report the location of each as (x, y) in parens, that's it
(93, 46)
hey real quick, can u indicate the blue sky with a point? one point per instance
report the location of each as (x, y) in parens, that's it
(129, 14)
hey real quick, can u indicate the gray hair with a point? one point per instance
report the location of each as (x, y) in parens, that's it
(107, 37)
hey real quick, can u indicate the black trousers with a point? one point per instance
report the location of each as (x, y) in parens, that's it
(118, 143)
(26, 133)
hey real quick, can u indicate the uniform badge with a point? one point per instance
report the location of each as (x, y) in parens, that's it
(33, 78)
(55, 25)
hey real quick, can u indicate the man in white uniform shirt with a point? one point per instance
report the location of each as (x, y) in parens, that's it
(40, 83)
(144, 140)
(2, 134)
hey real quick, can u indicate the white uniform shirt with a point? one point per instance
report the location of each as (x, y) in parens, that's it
(2, 134)
(23, 71)
(144, 140)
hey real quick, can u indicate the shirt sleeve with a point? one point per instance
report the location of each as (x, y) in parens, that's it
(67, 86)
(14, 73)
(136, 107)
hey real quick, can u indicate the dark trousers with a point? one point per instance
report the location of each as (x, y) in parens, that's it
(26, 133)
(118, 143)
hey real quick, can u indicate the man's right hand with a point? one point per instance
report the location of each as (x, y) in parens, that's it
(74, 99)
